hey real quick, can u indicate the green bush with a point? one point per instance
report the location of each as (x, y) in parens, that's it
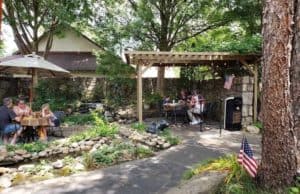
(100, 129)
(142, 152)
(80, 119)
(173, 140)
(29, 147)
(139, 126)
(258, 124)
(59, 93)
(237, 181)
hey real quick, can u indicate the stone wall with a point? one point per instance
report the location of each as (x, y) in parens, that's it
(213, 91)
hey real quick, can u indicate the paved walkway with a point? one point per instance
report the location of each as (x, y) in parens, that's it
(152, 175)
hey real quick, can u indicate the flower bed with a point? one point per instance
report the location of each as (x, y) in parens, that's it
(102, 145)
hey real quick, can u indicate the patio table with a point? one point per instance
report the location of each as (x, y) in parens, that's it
(38, 123)
(174, 107)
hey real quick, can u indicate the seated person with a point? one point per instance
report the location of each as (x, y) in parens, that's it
(166, 100)
(182, 96)
(52, 120)
(196, 107)
(22, 109)
(7, 116)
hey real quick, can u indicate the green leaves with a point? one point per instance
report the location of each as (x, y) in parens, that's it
(111, 65)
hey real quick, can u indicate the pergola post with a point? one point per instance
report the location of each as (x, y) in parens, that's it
(255, 92)
(139, 93)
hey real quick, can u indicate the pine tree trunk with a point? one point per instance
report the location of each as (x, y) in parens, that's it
(278, 165)
(295, 77)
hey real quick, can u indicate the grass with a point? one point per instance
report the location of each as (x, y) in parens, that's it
(29, 147)
(236, 182)
(80, 119)
(173, 140)
(258, 124)
(117, 152)
(141, 127)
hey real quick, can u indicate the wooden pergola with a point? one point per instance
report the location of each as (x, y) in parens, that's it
(148, 59)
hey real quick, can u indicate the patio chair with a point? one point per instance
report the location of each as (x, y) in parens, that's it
(203, 115)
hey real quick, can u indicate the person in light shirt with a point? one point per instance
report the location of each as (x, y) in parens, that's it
(196, 107)
(22, 110)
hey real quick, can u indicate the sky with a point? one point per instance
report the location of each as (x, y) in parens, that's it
(8, 40)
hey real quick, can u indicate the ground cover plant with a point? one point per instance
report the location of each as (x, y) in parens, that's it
(237, 180)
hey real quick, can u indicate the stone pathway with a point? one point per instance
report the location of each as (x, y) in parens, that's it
(153, 175)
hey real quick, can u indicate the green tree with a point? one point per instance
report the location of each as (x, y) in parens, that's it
(163, 24)
(33, 19)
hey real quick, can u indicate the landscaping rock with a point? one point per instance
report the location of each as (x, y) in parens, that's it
(166, 145)
(3, 152)
(58, 164)
(26, 167)
(65, 150)
(42, 154)
(201, 184)
(21, 152)
(79, 167)
(5, 182)
(252, 129)
(18, 158)
(89, 143)
(34, 156)
(4, 170)
(26, 156)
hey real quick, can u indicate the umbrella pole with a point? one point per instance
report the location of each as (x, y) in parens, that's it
(34, 82)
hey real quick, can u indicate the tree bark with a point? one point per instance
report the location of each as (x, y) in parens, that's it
(278, 165)
(295, 77)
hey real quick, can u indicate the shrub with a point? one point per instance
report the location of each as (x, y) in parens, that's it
(100, 128)
(237, 180)
(173, 140)
(29, 147)
(142, 152)
(139, 126)
(59, 93)
(80, 119)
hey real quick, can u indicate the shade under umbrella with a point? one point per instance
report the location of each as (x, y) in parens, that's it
(32, 65)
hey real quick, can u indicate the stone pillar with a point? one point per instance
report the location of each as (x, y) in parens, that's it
(247, 93)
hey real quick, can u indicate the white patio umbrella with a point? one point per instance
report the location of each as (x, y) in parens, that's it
(33, 65)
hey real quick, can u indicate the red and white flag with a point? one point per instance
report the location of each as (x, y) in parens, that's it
(246, 159)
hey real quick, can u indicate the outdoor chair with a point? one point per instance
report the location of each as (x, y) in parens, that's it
(203, 115)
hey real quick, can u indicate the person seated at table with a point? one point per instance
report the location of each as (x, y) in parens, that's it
(196, 107)
(7, 125)
(182, 96)
(166, 100)
(47, 113)
(22, 110)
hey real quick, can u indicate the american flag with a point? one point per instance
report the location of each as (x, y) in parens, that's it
(246, 159)
(228, 81)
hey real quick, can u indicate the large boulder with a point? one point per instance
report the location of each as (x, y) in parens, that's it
(204, 183)
(252, 129)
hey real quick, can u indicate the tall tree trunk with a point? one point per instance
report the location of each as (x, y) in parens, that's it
(160, 84)
(278, 165)
(295, 77)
